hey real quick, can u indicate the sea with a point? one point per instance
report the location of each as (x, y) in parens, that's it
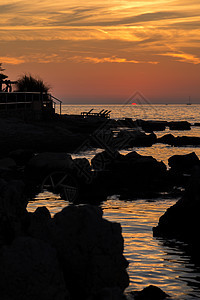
(156, 261)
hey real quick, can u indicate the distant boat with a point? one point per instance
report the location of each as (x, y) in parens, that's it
(189, 103)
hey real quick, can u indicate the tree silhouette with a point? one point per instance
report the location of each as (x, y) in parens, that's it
(2, 75)
(28, 83)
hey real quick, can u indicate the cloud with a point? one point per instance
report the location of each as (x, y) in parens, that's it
(184, 57)
(12, 60)
(141, 18)
(112, 31)
(112, 59)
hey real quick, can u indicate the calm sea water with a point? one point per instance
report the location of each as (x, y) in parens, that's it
(152, 260)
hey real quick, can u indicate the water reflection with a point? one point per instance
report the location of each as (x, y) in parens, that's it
(155, 261)
(151, 261)
(53, 202)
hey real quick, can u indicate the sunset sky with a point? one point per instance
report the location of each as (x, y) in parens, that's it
(104, 51)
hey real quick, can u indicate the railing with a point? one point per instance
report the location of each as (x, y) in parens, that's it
(27, 101)
(102, 114)
(54, 103)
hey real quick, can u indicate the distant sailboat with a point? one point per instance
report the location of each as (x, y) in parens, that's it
(189, 103)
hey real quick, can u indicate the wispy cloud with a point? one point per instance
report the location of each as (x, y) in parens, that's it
(12, 60)
(184, 57)
(145, 27)
(112, 59)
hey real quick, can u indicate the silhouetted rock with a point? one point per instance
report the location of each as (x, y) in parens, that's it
(180, 125)
(7, 163)
(166, 139)
(151, 292)
(44, 163)
(108, 294)
(43, 136)
(181, 220)
(136, 138)
(13, 214)
(21, 156)
(82, 168)
(150, 126)
(179, 140)
(183, 163)
(30, 270)
(38, 222)
(131, 174)
(186, 141)
(90, 250)
(103, 160)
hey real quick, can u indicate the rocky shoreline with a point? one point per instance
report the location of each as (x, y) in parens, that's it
(78, 254)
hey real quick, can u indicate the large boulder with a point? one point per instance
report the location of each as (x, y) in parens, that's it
(133, 172)
(181, 220)
(183, 163)
(179, 125)
(103, 160)
(30, 270)
(90, 250)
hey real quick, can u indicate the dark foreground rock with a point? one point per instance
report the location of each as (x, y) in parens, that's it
(131, 174)
(90, 250)
(183, 163)
(37, 136)
(150, 293)
(76, 254)
(181, 221)
(30, 270)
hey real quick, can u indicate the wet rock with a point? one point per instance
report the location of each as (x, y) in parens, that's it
(90, 250)
(180, 125)
(183, 163)
(30, 270)
(151, 292)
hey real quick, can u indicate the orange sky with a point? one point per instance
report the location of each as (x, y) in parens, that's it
(104, 51)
